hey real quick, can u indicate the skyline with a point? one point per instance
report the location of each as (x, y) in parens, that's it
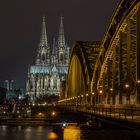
(21, 24)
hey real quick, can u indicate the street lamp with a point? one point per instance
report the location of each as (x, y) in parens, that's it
(111, 89)
(138, 91)
(100, 91)
(92, 98)
(126, 85)
(86, 98)
(53, 113)
(128, 96)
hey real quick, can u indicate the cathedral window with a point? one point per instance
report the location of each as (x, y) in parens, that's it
(61, 57)
(43, 57)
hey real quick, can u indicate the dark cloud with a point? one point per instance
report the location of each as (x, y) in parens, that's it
(20, 26)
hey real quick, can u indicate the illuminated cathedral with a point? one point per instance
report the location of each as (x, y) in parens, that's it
(51, 66)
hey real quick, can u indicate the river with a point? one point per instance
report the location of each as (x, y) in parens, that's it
(68, 133)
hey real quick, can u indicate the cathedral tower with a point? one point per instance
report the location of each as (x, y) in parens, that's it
(62, 46)
(43, 53)
(51, 66)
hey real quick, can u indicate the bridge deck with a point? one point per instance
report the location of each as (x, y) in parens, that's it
(127, 116)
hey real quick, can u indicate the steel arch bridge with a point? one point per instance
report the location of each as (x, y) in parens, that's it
(107, 73)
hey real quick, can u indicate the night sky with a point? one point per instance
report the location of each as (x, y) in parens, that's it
(20, 27)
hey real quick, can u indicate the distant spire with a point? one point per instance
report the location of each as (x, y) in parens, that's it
(43, 38)
(61, 37)
(54, 47)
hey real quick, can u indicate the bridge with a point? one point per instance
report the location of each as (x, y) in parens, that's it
(104, 76)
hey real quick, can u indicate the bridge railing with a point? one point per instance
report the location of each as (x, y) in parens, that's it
(126, 114)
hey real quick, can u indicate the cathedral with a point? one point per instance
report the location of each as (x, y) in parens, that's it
(51, 66)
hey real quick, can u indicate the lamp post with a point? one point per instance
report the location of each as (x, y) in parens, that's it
(82, 99)
(92, 94)
(138, 92)
(128, 94)
(100, 96)
(112, 99)
(86, 98)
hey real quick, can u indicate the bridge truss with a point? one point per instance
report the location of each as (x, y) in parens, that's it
(107, 73)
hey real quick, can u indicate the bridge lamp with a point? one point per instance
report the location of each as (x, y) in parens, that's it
(87, 94)
(53, 113)
(100, 91)
(126, 85)
(92, 93)
(138, 81)
(82, 96)
(111, 89)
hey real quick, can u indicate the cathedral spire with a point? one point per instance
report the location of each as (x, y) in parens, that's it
(61, 37)
(43, 38)
(54, 47)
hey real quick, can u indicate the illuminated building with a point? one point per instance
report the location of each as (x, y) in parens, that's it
(51, 65)
(8, 84)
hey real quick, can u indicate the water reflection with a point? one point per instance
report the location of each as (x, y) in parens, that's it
(3, 127)
(52, 135)
(68, 133)
(72, 133)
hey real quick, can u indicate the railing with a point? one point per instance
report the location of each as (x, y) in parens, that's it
(125, 114)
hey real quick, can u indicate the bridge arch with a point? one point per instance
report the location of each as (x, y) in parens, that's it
(109, 76)
(78, 78)
(116, 75)
(80, 72)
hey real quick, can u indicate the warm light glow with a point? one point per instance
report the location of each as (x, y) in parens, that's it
(87, 94)
(111, 89)
(92, 93)
(138, 81)
(71, 133)
(100, 91)
(82, 95)
(40, 114)
(126, 85)
(52, 135)
(53, 113)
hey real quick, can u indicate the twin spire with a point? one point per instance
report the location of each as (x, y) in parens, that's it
(43, 38)
(61, 37)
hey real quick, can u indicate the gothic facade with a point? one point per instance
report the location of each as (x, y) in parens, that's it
(51, 66)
